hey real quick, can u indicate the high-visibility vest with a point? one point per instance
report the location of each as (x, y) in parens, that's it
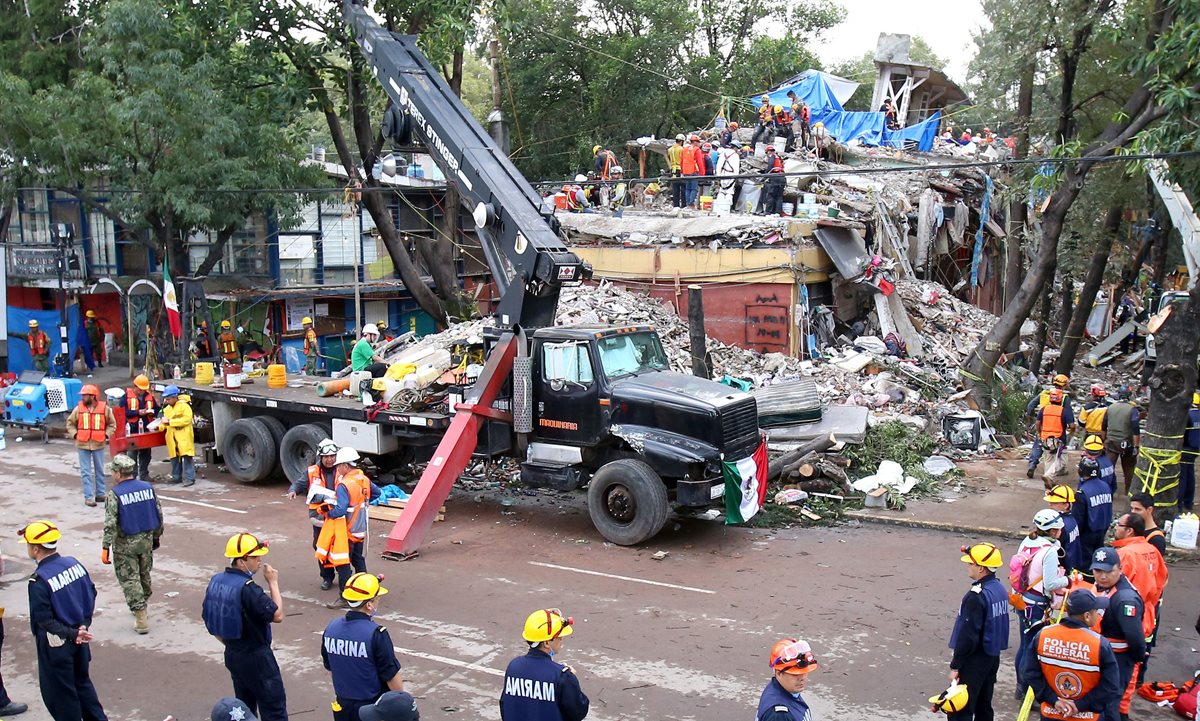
(359, 488)
(310, 342)
(316, 478)
(783, 117)
(229, 349)
(91, 423)
(38, 343)
(1052, 422)
(1093, 419)
(765, 112)
(1070, 660)
(134, 404)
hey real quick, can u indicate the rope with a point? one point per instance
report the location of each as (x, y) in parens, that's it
(1153, 480)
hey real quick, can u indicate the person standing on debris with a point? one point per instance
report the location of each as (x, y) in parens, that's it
(766, 116)
(239, 613)
(536, 687)
(620, 191)
(317, 487)
(692, 167)
(140, 410)
(821, 140)
(1122, 433)
(1122, 625)
(791, 661)
(95, 335)
(783, 127)
(889, 114)
(1187, 462)
(980, 632)
(39, 347)
(1142, 505)
(710, 168)
(1072, 670)
(674, 164)
(728, 137)
(133, 525)
(1092, 413)
(358, 652)
(1041, 578)
(1093, 507)
(800, 118)
(1061, 499)
(91, 424)
(228, 343)
(1054, 426)
(773, 204)
(1128, 310)
(312, 351)
(363, 357)
(181, 437)
(605, 160)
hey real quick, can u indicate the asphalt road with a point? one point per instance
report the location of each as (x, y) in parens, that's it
(685, 637)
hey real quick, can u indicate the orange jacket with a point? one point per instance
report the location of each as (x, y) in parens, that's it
(1143, 565)
(310, 342)
(333, 544)
(39, 343)
(1052, 422)
(692, 161)
(1074, 653)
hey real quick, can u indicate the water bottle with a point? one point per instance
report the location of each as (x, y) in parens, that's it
(177, 374)
(1166, 526)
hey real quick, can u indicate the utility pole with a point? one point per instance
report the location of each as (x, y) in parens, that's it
(497, 125)
(64, 233)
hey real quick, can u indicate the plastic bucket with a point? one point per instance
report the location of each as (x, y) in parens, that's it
(560, 201)
(760, 150)
(276, 376)
(834, 211)
(204, 374)
(780, 144)
(706, 202)
(789, 209)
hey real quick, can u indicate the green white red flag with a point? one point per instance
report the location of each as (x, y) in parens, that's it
(745, 486)
(171, 303)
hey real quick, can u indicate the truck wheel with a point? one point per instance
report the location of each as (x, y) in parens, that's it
(278, 431)
(249, 450)
(627, 502)
(298, 449)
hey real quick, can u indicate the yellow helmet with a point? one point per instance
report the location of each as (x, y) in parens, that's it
(226, 324)
(1060, 494)
(142, 381)
(245, 545)
(306, 321)
(40, 533)
(1093, 443)
(363, 587)
(91, 314)
(382, 325)
(1196, 399)
(952, 700)
(595, 150)
(547, 624)
(779, 108)
(1061, 380)
(983, 554)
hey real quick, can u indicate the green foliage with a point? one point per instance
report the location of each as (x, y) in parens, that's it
(1008, 414)
(891, 441)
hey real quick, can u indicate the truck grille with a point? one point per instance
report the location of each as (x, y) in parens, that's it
(739, 429)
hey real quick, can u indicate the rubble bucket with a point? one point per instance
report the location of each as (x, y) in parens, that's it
(276, 375)
(723, 204)
(204, 374)
(780, 144)
(750, 192)
(760, 150)
(789, 209)
(560, 201)
(706, 202)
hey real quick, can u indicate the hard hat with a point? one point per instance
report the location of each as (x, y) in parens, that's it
(595, 150)
(245, 545)
(306, 321)
(327, 448)
(1056, 395)
(1061, 380)
(33, 323)
(746, 148)
(171, 392)
(680, 137)
(547, 624)
(706, 146)
(1123, 393)
(1088, 468)
(779, 108)
(734, 125)
(616, 169)
(226, 324)
(983, 554)
(766, 98)
(89, 390)
(1093, 443)
(91, 314)
(381, 324)
(793, 657)
(363, 586)
(1196, 399)
(952, 700)
(1098, 391)
(1047, 519)
(40, 533)
(581, 178)
(770, 148)
(370, 329)
(1060, 494)
(347, 455)
(142, 382)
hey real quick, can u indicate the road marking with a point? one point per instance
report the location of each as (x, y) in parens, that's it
(468, 665)
(201, 503)
(623, 578)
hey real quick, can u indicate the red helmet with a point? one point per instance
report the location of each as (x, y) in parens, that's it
(793, 657)
(1098, 391)
(1056, 395)
(90, 390)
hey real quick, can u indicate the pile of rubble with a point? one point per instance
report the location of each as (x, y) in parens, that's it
(949, 328)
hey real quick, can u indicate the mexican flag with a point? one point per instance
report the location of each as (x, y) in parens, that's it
(171, 303)
(745, 486)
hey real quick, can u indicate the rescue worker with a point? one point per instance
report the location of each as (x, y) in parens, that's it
(140, 410)
(1032, 409)
(536, 687)
(239, 613)
(62, 599)
(1092, 413)
(91, 424)
(392, 706)
(1062, 499)
(229, 709)
(1093, 449)
(358, 652)
(228, 344)
(39, 347)
(133, 525)
(605, 160)
(321, 476)
(311, 350)
(803, 117)
(8, 707)
(1093, 507)
(1054, 426)
(181, 437)
(620, 191)
(728, 137)
(1187, 462)
(980, 632)
(791, 661)
(384, 334)
(204, 345)
(1142, 505)
(1122, 433)
(354, 491)
(766, 115)
(783, 127)
(364, 357)
(1122, 625)
(691, 164)
(1072, 669)
(773, 204)
(95, 336)
(1145, 568)
(1044, 580)
(674, 161)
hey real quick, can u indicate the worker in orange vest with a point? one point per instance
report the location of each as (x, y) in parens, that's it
(39, 347)
(317, 484)
(91, 424)
(1142, 563)
(140, 409)
(228, 342)
(1055, 424)
(341, 541)
(1073, 670)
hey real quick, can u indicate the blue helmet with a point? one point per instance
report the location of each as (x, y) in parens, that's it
(170, 391)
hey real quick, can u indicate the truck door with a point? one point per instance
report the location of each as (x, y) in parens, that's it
(566, 394)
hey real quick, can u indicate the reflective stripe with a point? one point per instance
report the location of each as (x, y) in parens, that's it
(1118, 644)
(1068, 664)
(92, 424)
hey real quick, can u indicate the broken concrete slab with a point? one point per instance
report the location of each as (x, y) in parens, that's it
(649, 227)
(846, 423)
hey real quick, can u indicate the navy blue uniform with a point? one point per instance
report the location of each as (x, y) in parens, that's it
(776, 704)
(980, 635)
(137, 507)
(1071, 545)
(1100, 698)
(359, 654)
(239, 613)
(1093, 513)
(61, 599)
(537, 688)
(1122, 626)
(1187, 464)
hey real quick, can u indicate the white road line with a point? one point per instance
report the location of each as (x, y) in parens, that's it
(201, 503)
(470, 666)
(622, 578)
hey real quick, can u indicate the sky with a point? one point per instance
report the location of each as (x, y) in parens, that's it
(947, 27)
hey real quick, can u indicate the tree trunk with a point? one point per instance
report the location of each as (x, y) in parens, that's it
(1130, 276)
(215, 252)
(1018, 208)
(1043, 331)
(1068, 307)
(6, 210)
(455, 78)
(1092, 280)
(438, 254)
(1171, 389)
(1158, 256)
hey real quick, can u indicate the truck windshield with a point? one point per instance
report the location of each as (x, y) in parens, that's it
(622, 355)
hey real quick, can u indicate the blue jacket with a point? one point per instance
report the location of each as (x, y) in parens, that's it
(359, 654)
(981, 627)
(62, 598)
(776, 704)
(1121, 624)
(238, 611)
(537, 688)
(1072, 547)
(1093, 508)
(137, 507)
(1191, 436)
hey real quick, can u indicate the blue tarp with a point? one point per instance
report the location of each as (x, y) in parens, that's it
(19, 358)
(922, 133)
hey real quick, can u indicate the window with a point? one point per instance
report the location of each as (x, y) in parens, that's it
(567, 361)
(102, 248)
(632, 353)
(35, 218)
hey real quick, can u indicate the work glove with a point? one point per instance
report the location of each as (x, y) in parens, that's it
(104, 557)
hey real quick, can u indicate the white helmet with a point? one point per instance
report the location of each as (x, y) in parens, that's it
(1047, 519)
(347, 455)
(616, 169)
(327, 448)
(370, 329)
(581, 178)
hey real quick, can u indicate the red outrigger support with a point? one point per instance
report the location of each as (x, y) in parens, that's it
(453, 453)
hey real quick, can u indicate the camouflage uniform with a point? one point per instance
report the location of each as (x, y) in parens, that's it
(132, 556)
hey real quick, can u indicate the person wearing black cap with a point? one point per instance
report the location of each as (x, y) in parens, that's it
(392, 706)
(232, 709)
(1073, 672)
(1122, 624)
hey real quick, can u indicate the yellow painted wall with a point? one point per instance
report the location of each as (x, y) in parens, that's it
(807, 264)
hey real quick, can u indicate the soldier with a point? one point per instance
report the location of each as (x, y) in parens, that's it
(358, 652)
(140, 409)
(1122, 432)
(39, 347)
(980, 632)
(311, 350)
(132, 527)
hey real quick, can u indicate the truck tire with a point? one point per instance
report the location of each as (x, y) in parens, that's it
(298, 449)
(249, 450)
(278, 431)
(627, 502)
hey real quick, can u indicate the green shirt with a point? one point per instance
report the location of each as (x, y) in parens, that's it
(362, 354)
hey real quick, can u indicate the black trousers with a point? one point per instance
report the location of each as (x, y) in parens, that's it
(978, 674)
(349, 710)
(143, 463)
(258, 683)
(358, 564)
(66, 687)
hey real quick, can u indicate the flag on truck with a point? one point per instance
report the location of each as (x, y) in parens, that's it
(171, 303)
(745, 486)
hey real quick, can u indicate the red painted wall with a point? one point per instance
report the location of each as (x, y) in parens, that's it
(757, 316)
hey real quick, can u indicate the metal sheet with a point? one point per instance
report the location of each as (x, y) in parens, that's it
(846, 248)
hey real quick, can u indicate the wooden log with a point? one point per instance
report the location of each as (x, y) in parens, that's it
(806, 470)
(808, 459)
(829, 470)
(775, 467)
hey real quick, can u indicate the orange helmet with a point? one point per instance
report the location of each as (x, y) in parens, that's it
(792, 656)
(734, 125)
(90, 390)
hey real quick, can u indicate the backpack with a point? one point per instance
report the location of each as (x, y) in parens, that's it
(1018, 574)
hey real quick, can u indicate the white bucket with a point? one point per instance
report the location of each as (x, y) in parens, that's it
(114, 395)
(789, 209)
(1184, 531)
(233, 380)
(760, 150)
(780, 144)
(723, 204)
(750, 193)
(810, 198)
